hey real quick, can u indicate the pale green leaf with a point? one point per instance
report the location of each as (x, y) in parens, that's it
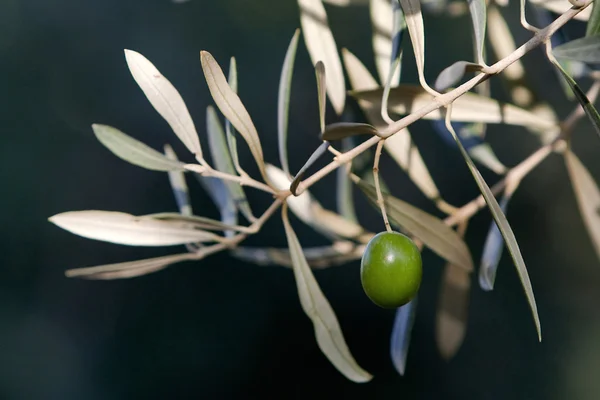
(229, 129)
(401, 334)
(321, 92)
(478, 12)
(452, 75)
(321, 47)
(453, 310)
(344, 193)
(195, 220)
(317, 308)
(586, 49)
(165, 99)
(593, 25)
(220, 156)
(283, 104)
(134, 151)
(345, 3)
(231, 106)
(587, 195)
(507, 233)
(387, 25)
(414, 23)
(127, 229)
(128, 269)
(179, 185)
(341, 130)
(588, 107)
(432, 231)
(322, 149)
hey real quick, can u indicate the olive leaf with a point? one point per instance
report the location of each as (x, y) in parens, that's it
(179, 185)
(283, 104)
(401, 333)
(588, 107)
(219, 194)
(452, 314)
(469, 107)
(134, 151)
(451, 75)
(321, 92)
(436, 235)
(231, 106)
(315, 305)
(414, 23)
(478, 11)
(400, 146)
(165, 99)
(197, 221)
(222, 159)
(593, 25)
(387, 22)
(127, 229)
(130, 269)
(587, 195)
(232, 80)
(322, 149)
(341, 130)
(321, 47)
(503, 225)
(345, 3)
(492, 251)
(586, 49)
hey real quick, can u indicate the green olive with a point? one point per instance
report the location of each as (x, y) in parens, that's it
(391, 269)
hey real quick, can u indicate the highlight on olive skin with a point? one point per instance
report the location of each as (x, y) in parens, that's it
(391, 269)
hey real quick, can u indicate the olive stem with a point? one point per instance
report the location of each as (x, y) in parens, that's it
(380, 201)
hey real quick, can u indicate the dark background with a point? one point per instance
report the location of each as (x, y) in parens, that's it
(221, 328)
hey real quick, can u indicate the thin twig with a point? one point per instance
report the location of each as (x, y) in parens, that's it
(242, 180)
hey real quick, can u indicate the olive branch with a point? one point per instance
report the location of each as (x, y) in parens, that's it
(458, 113)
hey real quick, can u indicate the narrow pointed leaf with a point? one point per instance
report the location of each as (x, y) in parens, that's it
(414, 23)
(507, 234)
(593, 25)
(165, 99)
(321, 92)
(223, 162)
(322, 149)
(341, 130)
(231, 106)
(283, 104)
(195, 220)
(586, 49)
(434, 233)
(129, 269)
(483, 154)
(401, 333)
(587, 195)
(229, 129)
(453, 310)
(400, 146)
(478, 12)
(469, 107)
(179, 185)
(219, 193)
(588, 107)
(315, 305)
(321, 47)
(387, 21)
(452, 75)
(492, 252)
(134, 151)
(127, 229)
(346, 3)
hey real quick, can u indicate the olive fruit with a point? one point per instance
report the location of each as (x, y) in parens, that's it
(391, 269)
